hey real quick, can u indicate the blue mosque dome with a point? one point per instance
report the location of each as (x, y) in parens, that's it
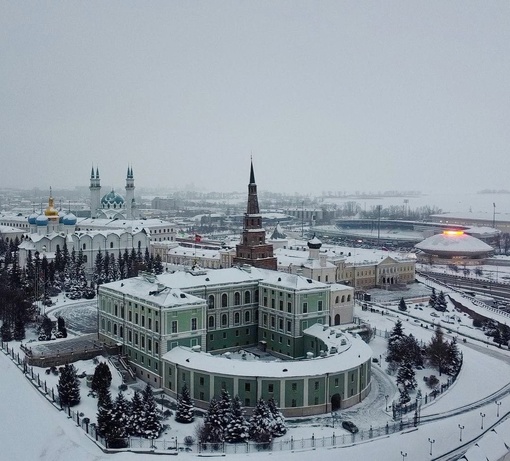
(32, 218)
(41, 220)
(112, 200)
(69, 219)
(61, 215)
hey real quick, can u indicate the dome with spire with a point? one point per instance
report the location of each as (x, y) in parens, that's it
(41, 220)
(112, 200)
(314, 243)
(69, 219)
(32, 218)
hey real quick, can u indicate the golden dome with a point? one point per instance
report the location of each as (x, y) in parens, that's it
(50, 210)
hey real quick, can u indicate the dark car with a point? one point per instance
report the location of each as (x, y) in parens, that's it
(350, 426)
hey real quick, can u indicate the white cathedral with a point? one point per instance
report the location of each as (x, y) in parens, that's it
(113, 226)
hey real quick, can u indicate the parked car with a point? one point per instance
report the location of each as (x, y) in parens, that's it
(350, 426)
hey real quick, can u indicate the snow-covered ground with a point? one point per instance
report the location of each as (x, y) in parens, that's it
(29, 417)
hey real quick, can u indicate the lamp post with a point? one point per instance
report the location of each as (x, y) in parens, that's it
(460, 427)
(483, 416)
(404, 455)
(498, 404)
(431, 441)
(386, 397)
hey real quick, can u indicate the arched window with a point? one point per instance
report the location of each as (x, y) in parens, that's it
(237, 298)
(211, 301)
(115, 329)
(224, 320)
(337, 299)
(121, 331)
(247, 297)
(256, 296)
(211, 321)
(102, 324)
(237, 318)
(224, 300)
(343, 298)
(247, 316)
(348, 298)
(109, 326)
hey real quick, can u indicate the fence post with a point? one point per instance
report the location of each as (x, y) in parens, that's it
(334, 437)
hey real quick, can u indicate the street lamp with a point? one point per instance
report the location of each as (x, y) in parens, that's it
(404, 455)
(431, 441)
(386, 397)
(498, 405)
(483, 416)
(460, 427)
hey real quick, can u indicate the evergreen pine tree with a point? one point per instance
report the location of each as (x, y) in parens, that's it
(433, 298)
(122, 413)
(137, 414)
(98, 268)
(151, 426)
(406, 376)
(279, 426)
(5, 332)
(213, 429)
(395, 341)
(104, 413)
(402, 305)
(437, 352)
(261, 423)
(185, 412)
(225, 408)
(19, 329)
(158, 265)
(237, 429)
(102, 378)
(47, 327)
(441, 302)
(68, 386)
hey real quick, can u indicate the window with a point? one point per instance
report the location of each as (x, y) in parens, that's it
(246, 387)
(150, 323)
(316, 385)
(136, 338)
(224, 320)
(174, 326)
(343, 298)
(289, 326)
(149, 344)
(348, 298)
(143, 320)
(337, 299)
(319, 305)
(273, 322)
(211, 321)
(202, 381)
(247, 316)
(156, 325)
(142, 340)
(336, 382)
(270, 388)
(193, 324)
(305, 308)
(294, 386)
(211, 301)
(247, 297)
(115, 329)
(281, 305)
(84, 246)
(129, 336)
(156, 347)
(130, 316)
(280, 324)
(237, 319)
(237, 298)
(289, 307)
(224, 300)
(272, 303)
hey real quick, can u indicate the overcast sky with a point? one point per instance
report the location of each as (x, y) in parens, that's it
(340, 96)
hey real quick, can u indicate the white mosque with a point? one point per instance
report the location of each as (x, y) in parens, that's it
(112, 205)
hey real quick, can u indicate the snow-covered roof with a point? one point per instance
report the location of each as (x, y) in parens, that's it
(454, 243)
(349, 356)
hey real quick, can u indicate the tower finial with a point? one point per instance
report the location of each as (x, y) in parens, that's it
(252, 174)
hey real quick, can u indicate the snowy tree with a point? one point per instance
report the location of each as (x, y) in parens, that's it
(279, 426)
(61, 326)
(104, 413)
(402, 305)
(151, 427)
(411, 351)
(5, 332)
(46, 327)
(237, 429)
(102, 378)
(122, 413)
(68, 386)
(441, 302)
(225, 407)
(395, 342)
(406, 376)
(433, 299)
(137, 415)
(212, 430)
(437, 352)
(158, 265)
(19, 329)
(185, 412)
(261, 423)
(98, 276)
